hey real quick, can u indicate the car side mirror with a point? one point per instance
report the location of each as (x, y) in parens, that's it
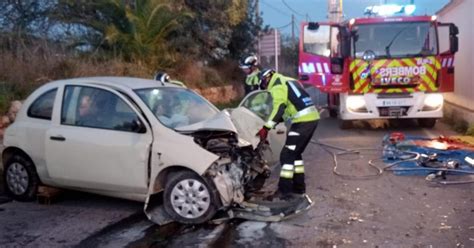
(453, 38)
(453, 44)
(337, 65)
(453, 29)
(138, 127)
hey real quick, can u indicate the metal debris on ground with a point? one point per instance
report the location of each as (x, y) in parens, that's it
(433, 158)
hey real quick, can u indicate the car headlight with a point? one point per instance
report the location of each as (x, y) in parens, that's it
(433, 101)
(355, 103)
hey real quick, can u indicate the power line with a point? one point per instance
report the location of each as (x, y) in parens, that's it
(292, 10)
(276, 9)
(284, 26)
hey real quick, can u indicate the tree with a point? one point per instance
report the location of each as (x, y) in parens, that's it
(211, 29)
(144, 38)
(245, 34)
(138, 31)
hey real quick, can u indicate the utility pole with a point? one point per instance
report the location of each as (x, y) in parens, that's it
(293, 28)
(257, 16)
(275, 32)
(335, 11)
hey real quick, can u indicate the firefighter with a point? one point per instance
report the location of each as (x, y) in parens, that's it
(249, 65)
(290, 103)
(163, 77)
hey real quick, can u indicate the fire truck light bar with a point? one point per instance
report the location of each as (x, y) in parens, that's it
(390, 9)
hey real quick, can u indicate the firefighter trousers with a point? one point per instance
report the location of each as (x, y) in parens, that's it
(292, 165)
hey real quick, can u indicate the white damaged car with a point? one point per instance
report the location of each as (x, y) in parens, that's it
(142, 140)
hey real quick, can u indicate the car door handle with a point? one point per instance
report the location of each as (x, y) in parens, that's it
(57, 138)
(280, 132)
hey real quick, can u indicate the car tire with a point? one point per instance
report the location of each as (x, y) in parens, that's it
(427, 122)
(20, 178)
(189, 199)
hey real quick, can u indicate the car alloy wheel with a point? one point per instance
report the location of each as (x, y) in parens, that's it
(190, 198)
(20, 177)
(17, 178)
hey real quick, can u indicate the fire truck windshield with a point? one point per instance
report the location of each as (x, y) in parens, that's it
(395, 40)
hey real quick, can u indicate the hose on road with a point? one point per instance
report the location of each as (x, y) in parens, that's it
(409, 156)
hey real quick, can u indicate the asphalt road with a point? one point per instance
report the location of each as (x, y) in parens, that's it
(386, 211)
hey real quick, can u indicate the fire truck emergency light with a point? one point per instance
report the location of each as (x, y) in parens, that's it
(390, 9)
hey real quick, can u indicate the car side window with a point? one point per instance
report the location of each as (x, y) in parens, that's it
(97, 108)
(259, 103)
(42, 107)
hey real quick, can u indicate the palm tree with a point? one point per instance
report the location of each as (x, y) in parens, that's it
(143, 34)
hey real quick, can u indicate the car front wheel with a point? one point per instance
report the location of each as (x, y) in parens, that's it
(21, 179)
(189, 199)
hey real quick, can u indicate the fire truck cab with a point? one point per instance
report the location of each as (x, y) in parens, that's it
(380, 67)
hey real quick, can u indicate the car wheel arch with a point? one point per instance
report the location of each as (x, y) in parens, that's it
(11, 151)
(160, 181)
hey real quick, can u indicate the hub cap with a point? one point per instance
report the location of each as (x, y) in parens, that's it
(190, 198)
(17, 178)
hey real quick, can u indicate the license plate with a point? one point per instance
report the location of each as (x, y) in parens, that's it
(393, 102)
(393, 111)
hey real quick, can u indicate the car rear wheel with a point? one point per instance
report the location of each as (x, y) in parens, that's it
(189, 199)
(427, 122)
(21, 179)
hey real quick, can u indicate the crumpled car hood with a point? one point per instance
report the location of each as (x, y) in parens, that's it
(219, 122)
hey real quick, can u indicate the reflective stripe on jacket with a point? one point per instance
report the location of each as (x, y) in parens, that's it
(290, 101)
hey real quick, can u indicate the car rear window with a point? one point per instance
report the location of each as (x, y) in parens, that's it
(42, 107)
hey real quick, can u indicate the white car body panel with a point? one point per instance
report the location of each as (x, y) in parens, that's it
(248, 124)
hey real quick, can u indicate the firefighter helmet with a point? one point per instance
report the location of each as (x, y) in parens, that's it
(248, 61)
(264, 78)
(162, 77)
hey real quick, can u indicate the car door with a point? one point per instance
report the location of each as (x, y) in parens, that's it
(251, 115)
(98, 142)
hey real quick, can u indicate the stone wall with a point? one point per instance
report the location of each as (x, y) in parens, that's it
(222, 94)
(9, 118)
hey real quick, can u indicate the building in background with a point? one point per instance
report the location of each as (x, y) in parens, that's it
(461, 101)
(269, 49)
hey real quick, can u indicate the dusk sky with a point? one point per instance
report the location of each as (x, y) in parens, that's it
(277, 14)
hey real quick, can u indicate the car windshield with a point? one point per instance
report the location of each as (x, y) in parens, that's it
(176, 107)
(389, 40)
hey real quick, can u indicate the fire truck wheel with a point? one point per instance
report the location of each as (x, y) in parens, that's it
(427, 122)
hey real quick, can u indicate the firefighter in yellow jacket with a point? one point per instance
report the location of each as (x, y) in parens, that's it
(249, 65)
(290, 103)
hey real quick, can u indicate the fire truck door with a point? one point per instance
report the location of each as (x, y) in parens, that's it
(446, 39)
(319, 43)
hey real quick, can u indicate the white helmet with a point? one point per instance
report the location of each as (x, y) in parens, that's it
(248, 61)
(162, 77)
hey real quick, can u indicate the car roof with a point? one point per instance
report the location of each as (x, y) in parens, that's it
(122, 82)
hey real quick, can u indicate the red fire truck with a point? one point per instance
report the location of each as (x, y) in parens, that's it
(380, 67)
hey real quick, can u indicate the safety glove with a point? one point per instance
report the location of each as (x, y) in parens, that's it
(263, 133)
